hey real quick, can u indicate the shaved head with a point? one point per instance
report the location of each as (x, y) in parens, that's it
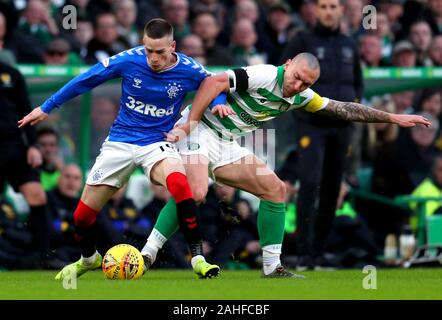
(308, 58)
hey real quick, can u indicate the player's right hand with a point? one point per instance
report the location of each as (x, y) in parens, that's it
(34, 117)
(222, 110)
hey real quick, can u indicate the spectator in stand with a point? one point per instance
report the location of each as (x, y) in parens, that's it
(48, 141)
(394, 9)
(103, 114)
(431, 102)
(205, 26)
(83, 34)
(436, 51)
(404, 54)
(243, 43)
(384, 32)
(62, 202)
(174, 253)
(420, 36)
(215, 7)
(6, 55)
(176, 12)
(16, 242)
(279, 30)
(403, 102)
(353, 13)
(104, 44)
(370, 50)
(430, 187)
(307, 14)
(192, 46)
(127, 220)
(58, 52)
(126, 13)
(435, 7)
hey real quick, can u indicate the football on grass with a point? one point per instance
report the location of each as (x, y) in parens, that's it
(123, 262)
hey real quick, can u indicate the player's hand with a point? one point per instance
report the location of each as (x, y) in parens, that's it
(179, 132)
(409, 120)
(222, 110)
(34, 157)
(34, 117)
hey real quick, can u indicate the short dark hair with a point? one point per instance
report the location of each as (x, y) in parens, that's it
(158, 28)
(47, 130)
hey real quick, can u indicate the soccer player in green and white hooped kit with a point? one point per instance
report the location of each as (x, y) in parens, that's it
(256, 94)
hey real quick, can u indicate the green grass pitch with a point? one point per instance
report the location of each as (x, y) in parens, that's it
(241, 285)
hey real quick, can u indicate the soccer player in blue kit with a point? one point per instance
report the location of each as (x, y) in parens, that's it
(155, 80)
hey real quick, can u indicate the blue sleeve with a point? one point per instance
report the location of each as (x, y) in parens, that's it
(82, 83)
(220, 99)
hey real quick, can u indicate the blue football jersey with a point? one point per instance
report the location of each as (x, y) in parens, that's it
(150, 101)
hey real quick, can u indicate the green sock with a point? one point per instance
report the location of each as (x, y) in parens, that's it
(167, 222)
(271, 220)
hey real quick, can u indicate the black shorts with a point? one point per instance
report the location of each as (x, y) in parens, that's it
(16, 171)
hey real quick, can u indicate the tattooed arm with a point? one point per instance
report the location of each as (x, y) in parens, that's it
(352, 111)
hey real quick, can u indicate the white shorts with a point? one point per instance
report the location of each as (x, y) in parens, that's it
(117, 160)
(204, 141)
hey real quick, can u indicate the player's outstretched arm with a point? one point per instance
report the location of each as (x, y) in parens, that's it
(352, 111)
(35, 116)
(209, 89)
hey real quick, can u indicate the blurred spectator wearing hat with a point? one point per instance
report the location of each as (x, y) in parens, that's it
(279, 30)
(58, 52)
(404, 54)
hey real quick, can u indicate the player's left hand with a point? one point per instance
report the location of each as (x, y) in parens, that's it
(34, 157)
(222, 110)
(409, 120)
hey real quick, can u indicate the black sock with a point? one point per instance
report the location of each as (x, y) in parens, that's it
(188, 221)
(39, 227)
(87, 239)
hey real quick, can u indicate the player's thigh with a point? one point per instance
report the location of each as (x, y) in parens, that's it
(96, 196)
(196, 166)
(252, 175)
(163, 168)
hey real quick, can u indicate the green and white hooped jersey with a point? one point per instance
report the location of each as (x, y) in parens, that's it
(261, 102)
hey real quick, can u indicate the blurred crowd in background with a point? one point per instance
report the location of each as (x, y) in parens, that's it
(229, 33)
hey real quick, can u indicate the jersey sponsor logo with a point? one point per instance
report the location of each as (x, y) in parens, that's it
(263, 115)
(148, 109)
(137, 83)
(248, 119)
(173, 89)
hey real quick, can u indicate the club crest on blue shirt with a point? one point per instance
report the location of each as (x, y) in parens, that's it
(137, 83)
(173, 89)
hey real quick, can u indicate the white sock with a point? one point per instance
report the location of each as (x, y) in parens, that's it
(195, 259)
(89, 260)
(271, 258)
(154, 243)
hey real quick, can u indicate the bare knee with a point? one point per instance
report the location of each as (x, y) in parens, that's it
(276, 191)
(199, 194)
